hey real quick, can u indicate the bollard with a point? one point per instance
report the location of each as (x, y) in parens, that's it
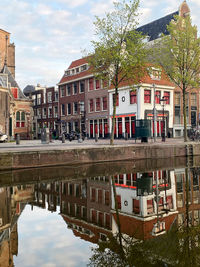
(96, 137)
(126, 136)
(17, 139)
(63, 138)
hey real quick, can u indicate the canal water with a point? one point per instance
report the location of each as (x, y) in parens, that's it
(144, 213)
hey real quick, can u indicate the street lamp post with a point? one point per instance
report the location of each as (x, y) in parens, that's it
(163, 129)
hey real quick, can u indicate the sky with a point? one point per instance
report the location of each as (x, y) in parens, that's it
(50, 34)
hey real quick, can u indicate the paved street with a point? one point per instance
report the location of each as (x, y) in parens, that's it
(32, 145)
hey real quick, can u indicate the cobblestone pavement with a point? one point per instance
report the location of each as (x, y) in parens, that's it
(32, 145)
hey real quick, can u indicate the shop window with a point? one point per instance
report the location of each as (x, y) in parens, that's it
(133, 97)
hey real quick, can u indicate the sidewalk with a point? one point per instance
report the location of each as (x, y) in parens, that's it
(36, 145)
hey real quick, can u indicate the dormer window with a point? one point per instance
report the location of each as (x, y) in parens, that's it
(73, 71)
(84, 67)
(67, 72)
(77, 70)
(155, 74)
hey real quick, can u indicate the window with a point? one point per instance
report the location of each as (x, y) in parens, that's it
(177, 99)
(84, 67)
(91, 107)
(157, 97)
(67, 72)
(91, 84)
(68, 90)
(56, 111)
(44, 113)
(81, 107)
(167, 97)
(50, 112)
(75, 88)
(22, 119)
(62, 110)
(18, 119)
(39, 113)
(39, 99)
(62, 91)
(82, 86)
(68, 108)
(97, 83)
(75, 108)
(98, 105)
(117, 102)
(77, 70)
(49, 96)
(177, 115)
(56, 96)
(147, 96)
(155, 74)
(105, 103)
(133, 97)
(193, 99)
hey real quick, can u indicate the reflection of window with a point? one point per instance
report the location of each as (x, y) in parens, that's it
(136, 206)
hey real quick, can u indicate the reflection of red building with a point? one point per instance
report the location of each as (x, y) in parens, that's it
(145, 211)
(85, 207)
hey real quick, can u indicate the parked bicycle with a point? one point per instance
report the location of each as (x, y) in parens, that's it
(194, 134)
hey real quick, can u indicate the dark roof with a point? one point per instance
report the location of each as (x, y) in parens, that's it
(155, 28)
(29, 89)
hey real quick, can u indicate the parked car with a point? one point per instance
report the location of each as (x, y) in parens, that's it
(3, 138)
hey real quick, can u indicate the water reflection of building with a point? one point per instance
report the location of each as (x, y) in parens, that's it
(47, 194)
(12, 203)
(188, 194)
(85, 207)
(145, 211)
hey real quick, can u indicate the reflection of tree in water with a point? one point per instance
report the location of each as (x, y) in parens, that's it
(180, 246)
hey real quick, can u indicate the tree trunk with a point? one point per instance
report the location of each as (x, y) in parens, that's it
(113, 118)
(184, 114)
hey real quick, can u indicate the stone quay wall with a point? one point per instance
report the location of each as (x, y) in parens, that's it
(82, 155)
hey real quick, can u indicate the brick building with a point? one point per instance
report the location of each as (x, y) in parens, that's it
(45, 108)
(7, 51)
(83, 100)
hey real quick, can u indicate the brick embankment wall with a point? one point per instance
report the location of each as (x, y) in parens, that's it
(41, 158)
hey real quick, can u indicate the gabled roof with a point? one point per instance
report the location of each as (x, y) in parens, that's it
(12, 81)
(78, 62)
(157, 27)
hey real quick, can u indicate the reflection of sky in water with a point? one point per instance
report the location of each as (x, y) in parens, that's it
(45, 241)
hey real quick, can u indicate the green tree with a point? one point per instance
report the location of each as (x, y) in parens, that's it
(179, 54)
(119, 51)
